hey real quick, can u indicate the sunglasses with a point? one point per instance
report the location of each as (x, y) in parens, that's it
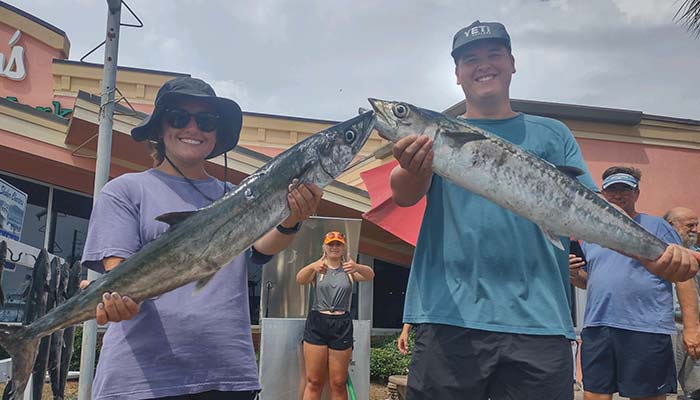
(335, 235)
(620, 189)
(178, 119)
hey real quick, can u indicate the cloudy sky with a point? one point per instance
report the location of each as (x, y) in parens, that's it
(323, 58)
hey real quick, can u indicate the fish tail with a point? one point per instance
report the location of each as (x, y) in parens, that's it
(17, 341)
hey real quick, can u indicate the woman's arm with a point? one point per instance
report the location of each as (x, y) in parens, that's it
(359, 272)
(115, 307)
(308, 273)
(303, 201)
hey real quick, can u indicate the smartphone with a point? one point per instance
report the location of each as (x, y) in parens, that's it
(575, 249)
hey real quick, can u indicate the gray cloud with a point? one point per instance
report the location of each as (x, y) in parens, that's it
(322, 59)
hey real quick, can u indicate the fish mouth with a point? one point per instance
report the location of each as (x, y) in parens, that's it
(383, 115)
(382, 110)
(363, 125)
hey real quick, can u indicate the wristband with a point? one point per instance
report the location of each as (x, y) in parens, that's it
(289, 231)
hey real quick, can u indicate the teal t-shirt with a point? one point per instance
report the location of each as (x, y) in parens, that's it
(478, 265)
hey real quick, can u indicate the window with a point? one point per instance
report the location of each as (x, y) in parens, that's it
(70, 213)
(17, 278)
(37, 201)
(390, 282)
(67, 225)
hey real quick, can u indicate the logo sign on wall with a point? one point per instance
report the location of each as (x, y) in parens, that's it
(12, 67)
(13, 203)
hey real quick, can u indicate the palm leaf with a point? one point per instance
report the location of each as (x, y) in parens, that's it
(689, 15)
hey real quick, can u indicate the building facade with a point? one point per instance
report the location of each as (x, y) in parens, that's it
(49, 108)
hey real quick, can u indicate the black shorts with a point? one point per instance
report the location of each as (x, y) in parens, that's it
(451, 363)
(636, 364)
(334, 331)
(215, 395)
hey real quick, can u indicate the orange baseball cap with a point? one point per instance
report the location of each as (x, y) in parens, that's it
(334, 236)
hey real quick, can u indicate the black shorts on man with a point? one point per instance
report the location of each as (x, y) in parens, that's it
(454, 363)
(334, 331)
(635, 364)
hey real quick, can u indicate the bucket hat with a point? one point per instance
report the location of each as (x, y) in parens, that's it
(228, 130)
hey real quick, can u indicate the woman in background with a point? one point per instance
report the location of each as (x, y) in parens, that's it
(328, 333)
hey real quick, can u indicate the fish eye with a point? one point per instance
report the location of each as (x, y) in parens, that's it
(401, 110)
(349, 135)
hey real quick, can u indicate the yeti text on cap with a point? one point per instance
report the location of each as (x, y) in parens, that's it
(478, 31)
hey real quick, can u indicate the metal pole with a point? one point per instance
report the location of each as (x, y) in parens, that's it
(104, 155)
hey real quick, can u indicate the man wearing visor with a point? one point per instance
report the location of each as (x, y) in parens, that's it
(628, 321)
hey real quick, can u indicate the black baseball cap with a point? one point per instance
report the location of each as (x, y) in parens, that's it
(229, 129)
(477, 31)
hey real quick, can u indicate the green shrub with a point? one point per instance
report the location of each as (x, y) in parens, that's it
(77, 348)
(385, 359)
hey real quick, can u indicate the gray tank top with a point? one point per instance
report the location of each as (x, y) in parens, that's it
(333, 292)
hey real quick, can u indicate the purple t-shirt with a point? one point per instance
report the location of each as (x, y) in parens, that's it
(182, 341)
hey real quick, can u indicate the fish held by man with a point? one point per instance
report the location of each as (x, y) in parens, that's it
(517, 180)
(201, 242)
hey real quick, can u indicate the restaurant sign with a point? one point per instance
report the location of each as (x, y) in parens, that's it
(13, 203)
(14, 67)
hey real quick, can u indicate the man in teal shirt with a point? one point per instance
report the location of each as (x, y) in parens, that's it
(487, 291)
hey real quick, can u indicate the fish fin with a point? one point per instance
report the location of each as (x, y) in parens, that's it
(23, 351)
(202, 283)
(571, 172)
(553, 239)
(174, 218)
(461, 138)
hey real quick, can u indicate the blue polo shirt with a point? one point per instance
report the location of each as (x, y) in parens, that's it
(478, 265)
(621, 293)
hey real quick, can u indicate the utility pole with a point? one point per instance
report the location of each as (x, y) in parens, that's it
(104, 155)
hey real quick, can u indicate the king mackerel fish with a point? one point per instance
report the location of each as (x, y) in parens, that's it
(517, 180)
(198, 243)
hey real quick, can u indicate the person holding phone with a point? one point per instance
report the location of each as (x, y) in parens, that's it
(628, 321)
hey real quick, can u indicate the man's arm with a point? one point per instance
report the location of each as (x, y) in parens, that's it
(410, 180)
(402, 342)
(676, 264)
(687, 298)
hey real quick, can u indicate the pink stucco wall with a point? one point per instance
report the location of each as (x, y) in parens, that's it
(37, 87)
(669, 175)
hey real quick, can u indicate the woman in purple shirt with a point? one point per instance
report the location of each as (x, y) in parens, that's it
(187, 343)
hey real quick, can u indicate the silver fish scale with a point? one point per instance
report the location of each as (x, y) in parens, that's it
(518, 180)
(237, 219)
(507, 177)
